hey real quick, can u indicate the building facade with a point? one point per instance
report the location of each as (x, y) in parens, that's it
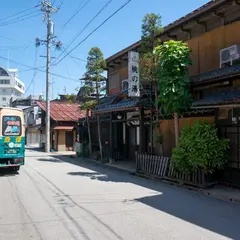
(210, 32)
(32, 116)
(63, 118)
(10, 86)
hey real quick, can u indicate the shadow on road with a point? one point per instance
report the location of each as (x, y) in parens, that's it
(53, 160)
(5, 172)
(214, 215)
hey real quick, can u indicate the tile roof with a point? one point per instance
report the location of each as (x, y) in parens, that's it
(215, 74)
(116, 102)
(226, 96)
(63, 111)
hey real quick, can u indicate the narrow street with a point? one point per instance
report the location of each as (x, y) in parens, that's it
(52, 199)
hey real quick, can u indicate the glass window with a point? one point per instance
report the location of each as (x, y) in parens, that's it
(11, 126)
(3, 72)
(4, 99)
(4, 81)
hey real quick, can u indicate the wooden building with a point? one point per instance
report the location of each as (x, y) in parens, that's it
(215, 86)
(63, 118)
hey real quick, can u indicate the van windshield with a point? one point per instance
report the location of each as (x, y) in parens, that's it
(11, 126)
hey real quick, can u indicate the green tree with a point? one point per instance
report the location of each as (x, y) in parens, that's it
(93, 86)
(71, 98)
(173, 79)
(151, 29)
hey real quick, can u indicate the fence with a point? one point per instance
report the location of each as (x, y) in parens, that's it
(159, 167)
(151, 165)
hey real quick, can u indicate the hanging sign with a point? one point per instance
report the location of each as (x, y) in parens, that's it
(133, 74)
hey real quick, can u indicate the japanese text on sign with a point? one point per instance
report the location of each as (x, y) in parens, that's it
(133, 74)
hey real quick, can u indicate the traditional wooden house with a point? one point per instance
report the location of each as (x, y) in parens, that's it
(211, 32)
(63, 118)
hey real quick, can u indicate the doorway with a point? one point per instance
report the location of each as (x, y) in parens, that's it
(69, 140)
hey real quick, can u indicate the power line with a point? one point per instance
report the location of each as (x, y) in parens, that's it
(61, 4)
(78, 10)
(38, 69)
(18, 13)
(35, 72)
(119, 9)
(6, 37)
(84, 28)
(25, 46)
(20, 19)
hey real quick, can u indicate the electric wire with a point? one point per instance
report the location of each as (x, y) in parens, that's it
(20, 19)
(85, 27)
(18, 13)
(77, 12)
(39, 70)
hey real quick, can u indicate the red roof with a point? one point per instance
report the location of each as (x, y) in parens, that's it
(67, 112)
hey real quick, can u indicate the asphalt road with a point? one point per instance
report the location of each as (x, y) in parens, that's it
(53, 199)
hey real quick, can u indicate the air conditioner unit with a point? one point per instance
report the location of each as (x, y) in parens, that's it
(230, 54)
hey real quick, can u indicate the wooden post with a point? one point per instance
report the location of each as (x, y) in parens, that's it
(141, 135)
(111, 139)
(176, 127)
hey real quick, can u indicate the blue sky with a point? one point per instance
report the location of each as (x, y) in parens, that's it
(17, 39)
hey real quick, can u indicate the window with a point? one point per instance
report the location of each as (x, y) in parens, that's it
(3, 72)
(11, 126)
(4, 81)
(19, 84)
(4, 99)
(4, 90)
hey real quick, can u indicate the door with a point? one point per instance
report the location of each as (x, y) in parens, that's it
(69, 140)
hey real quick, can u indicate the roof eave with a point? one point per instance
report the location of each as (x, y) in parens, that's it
(192, 15)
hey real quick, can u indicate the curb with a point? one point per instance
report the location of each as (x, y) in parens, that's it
(204, 192)
(89, 160)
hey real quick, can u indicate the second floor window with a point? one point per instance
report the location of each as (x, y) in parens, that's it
(4, 81)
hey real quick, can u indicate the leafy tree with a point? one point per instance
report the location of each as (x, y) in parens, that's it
(151, 29)
(173, 79)
(71, 98)
(200, 148)
(93, 85)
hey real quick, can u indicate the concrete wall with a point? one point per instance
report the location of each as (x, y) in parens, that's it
(167, 130)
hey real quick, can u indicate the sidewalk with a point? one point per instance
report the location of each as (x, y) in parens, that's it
(218, 191)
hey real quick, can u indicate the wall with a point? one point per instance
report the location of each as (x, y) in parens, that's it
(61, 141)
(205, 48)
(167, 130)
(115, 78)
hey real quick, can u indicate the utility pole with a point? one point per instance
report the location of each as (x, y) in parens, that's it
(48, 9)
(52, 83)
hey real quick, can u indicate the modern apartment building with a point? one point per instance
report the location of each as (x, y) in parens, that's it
(10, 86)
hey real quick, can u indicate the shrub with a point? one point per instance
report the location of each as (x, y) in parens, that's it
(200, 148)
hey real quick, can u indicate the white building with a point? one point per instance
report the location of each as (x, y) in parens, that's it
(10, 86)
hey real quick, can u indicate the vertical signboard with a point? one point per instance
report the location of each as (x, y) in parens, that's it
(133, 74)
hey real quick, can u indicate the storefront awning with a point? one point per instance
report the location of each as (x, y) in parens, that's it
(63, 128)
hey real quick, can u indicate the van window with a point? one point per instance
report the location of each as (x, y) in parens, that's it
(11, 126)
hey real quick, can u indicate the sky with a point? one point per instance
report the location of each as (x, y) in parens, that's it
(17, 38)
